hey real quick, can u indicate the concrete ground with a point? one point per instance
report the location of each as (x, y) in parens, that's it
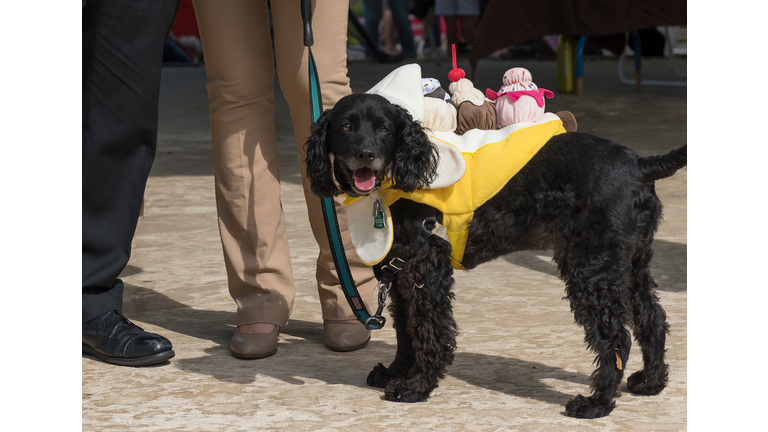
(520, 356)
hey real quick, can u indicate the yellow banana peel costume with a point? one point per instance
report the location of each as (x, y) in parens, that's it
(473, 168)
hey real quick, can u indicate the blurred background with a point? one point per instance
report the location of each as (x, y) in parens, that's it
(566, 33)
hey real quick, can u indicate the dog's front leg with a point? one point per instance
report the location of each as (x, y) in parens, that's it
(424, 322)
(404, 360)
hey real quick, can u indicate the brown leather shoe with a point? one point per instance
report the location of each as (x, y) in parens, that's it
(254, 345)
(342, 336)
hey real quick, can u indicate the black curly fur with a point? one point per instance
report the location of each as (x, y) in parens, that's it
(589, 199)
(421, 308)
(402, 153)
(414, 163)
(318, 162)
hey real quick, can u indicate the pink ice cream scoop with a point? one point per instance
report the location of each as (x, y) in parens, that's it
(519, 100)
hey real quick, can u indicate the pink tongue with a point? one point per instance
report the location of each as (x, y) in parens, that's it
(364, 178)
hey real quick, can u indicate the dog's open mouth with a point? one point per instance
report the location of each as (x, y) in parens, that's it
(364, 178)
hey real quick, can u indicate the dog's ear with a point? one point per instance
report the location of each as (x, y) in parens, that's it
(414, 164)
(318, 161)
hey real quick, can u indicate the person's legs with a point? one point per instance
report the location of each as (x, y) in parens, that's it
(469, 11)
(436, 31)
(239, 63)
(468, 25)
(389, 33)
(451, 32)
(329, 51)
(121, 86)
(400, 10)
(122, 55)
(372, 11)
(447, 9)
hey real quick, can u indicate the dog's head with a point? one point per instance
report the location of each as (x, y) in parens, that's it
(371, 140)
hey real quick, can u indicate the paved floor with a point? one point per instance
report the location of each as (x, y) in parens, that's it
(520, 356)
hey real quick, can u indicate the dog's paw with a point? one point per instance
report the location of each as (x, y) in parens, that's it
(638, 383)
(379, 377)
(396, 391)
(586, 407)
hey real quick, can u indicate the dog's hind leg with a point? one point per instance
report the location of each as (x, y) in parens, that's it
(595, 285)
(425, 314)
(650, 329)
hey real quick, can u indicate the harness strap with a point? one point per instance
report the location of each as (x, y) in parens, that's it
(431, 226)
(385, 274)
(329, 208)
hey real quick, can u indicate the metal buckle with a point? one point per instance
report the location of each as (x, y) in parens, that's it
(391, 264)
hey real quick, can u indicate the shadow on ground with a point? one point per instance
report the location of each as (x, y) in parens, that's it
(303, 357)
(668, 257)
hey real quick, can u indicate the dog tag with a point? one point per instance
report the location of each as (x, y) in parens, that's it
(378, 215)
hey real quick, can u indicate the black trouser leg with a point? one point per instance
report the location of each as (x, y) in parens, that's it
(122, 57)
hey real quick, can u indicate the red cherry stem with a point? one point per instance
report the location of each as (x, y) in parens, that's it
(453, 51)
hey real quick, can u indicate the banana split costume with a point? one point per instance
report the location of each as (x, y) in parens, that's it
(473, 168)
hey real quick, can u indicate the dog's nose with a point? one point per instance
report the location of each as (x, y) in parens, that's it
(366, 155)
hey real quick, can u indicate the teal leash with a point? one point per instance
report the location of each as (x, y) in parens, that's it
(376, 321)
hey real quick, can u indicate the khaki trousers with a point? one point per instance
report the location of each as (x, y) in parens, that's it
(239, 63)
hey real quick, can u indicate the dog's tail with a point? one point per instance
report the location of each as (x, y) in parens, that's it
(659, 167)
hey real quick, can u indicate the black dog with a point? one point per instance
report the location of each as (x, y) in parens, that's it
(589, 199)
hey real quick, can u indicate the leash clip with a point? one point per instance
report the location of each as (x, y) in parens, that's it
(377, 320)
(384, 281)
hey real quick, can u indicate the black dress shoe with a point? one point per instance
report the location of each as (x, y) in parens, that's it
(115, 339)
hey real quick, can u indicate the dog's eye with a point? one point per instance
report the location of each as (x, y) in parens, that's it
(383, 129)
(346, 127)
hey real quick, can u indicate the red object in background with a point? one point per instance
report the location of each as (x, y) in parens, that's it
(186, 23)
(417, 26)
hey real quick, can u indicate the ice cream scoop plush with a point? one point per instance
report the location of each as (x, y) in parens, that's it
(439, 115)
(431, 88)
(474, 110)
(519, 100)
